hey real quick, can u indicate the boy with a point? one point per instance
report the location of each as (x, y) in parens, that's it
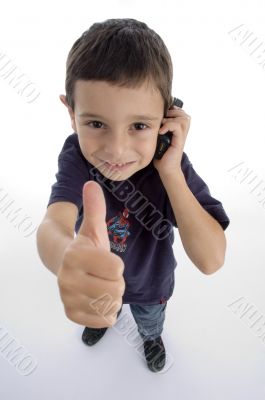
(119, 78)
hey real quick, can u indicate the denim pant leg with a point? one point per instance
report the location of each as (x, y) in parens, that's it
(149, 319)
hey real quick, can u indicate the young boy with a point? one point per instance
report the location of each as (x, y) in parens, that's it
(118, 95)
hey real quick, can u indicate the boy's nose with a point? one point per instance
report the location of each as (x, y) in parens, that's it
(116, 146)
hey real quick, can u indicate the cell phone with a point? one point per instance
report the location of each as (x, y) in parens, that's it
(163, 141)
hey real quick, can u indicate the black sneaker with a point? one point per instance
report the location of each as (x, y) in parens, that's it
(91, 336)
(155, 354)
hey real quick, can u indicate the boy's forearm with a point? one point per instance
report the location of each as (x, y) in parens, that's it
(52, 240)
(202, 236)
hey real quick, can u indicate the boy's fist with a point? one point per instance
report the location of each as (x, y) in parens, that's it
(90, 278)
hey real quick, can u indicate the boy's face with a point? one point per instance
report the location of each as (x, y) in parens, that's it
(122, 125)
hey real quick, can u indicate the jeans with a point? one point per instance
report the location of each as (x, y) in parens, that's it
(149, 319)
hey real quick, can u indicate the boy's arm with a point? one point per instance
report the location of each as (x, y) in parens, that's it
(202, 236)
(55, 233)
(52, 240)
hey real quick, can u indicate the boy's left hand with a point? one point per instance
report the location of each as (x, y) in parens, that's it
(178, 122)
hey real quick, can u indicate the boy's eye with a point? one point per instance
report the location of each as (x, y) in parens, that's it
(140, 123)
(93, 122)
(98, 122)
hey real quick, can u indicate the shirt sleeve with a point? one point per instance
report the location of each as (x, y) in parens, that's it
(202, 193)
(71, 175)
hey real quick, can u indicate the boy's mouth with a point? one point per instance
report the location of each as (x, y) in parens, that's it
(117, 166)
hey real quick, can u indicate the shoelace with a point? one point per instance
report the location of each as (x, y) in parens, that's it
(154, 348)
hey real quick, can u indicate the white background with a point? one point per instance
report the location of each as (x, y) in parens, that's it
(215, 352)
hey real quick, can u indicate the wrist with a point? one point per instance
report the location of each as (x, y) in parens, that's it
(176, 175)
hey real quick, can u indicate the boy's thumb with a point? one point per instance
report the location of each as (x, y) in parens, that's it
(94, 215)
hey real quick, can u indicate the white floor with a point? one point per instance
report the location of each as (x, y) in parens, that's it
(213, 352)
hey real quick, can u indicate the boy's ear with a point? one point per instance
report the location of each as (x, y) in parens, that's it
(62, 97)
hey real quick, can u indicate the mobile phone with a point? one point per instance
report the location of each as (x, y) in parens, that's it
(163, 141)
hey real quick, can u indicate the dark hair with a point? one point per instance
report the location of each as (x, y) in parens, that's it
(121, 51)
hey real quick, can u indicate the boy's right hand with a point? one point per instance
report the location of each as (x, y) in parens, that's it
(90, 273)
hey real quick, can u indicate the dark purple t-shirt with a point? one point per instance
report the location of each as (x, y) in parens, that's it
(139, 219)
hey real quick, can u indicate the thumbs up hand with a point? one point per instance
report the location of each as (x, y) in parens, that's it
(90, 274)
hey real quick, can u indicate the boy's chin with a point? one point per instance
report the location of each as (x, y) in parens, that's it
(120, 175)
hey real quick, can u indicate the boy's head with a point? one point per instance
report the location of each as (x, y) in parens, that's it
(119, 73)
